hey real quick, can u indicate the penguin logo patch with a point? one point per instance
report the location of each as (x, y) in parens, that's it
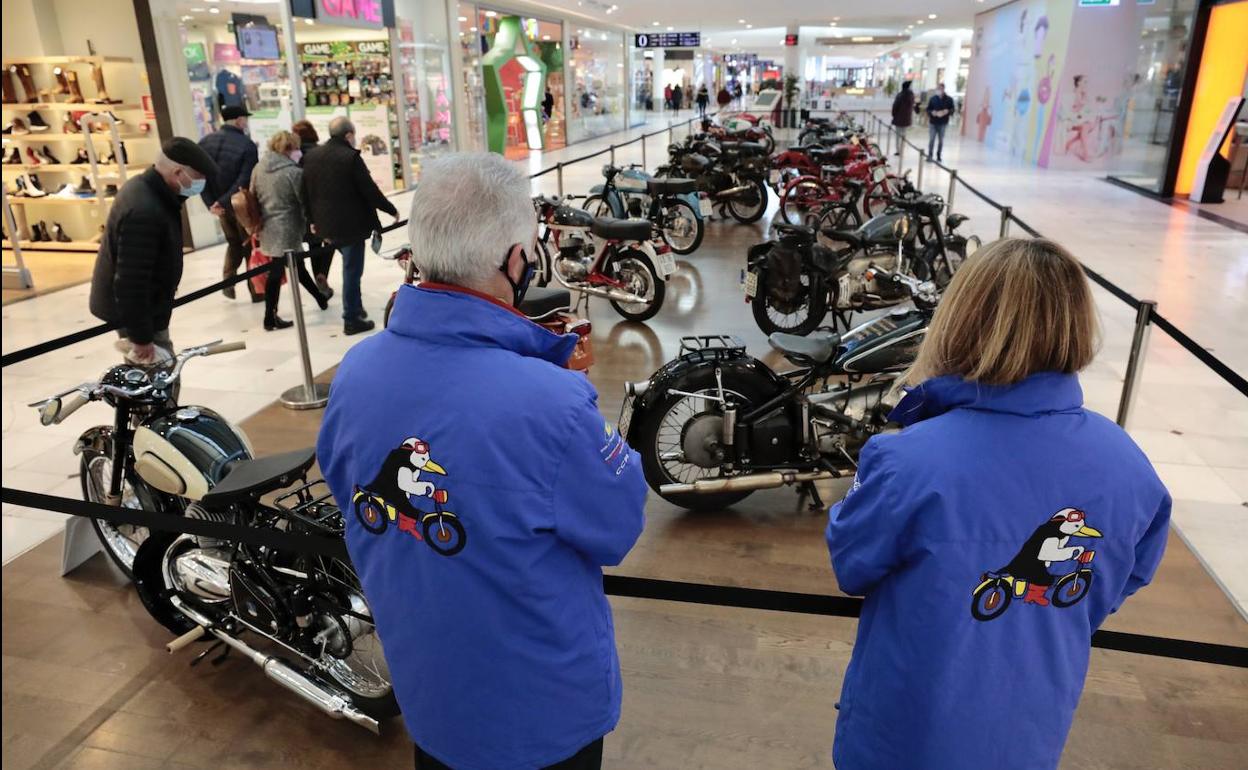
(1027, 576)
(410, 472)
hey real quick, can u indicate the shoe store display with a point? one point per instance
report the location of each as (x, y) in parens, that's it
(40, 232)
(35, 122)
(14, 158)
(10, 88)
(66, 192)
(22, 72)
(101, 91)
(112, 155)
(110, 190)
(46, 155)
(83, 157)
(32, 159)
(58, 233)
(62, 84)
(33, 188)
(84, 189)
(70, 126)
(75, 91)
(17, 128)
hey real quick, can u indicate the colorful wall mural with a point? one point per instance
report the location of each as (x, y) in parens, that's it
(1050, 81)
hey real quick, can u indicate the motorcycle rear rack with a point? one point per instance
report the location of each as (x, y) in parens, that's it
(317, 511)
(719, 345)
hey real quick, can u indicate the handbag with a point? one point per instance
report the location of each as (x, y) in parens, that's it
(256, 259)
(247, 210)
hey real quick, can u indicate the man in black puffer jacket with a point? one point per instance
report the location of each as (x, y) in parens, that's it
(236, 155)
(140, 259)
(343, 201)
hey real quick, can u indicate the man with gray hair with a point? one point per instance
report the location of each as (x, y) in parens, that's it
(139, 263)
(343, 201)
(484, 492)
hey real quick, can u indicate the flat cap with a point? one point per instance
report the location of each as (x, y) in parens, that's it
(179, 149)
(232, 112)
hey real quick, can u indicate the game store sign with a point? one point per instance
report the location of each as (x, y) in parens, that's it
(371, 14)
(343, 49)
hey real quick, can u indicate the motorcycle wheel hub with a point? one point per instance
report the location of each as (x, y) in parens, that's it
(701, 441)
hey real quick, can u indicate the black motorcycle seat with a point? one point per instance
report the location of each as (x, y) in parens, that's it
(540, 302)
(797, 231)
(622, 229)
(670, 186)
(816, 348)
(252, 478)
(851, 237)
(743, 148)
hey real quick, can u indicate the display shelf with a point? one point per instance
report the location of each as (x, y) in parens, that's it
(53, 136)
(90, 246)
(69, 106)
(23, 200)
(69, 60)
(85, 168)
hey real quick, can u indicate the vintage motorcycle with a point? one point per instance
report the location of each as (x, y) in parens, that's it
(121, 463)
(754, 131)
(602, 257)
(715, 424)
(732, 174)
(546, 307)
(792, 282)
(671, 205)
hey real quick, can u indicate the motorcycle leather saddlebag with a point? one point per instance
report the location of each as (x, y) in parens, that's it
(784, 273)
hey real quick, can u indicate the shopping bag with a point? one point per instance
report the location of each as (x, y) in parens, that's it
(258, 258)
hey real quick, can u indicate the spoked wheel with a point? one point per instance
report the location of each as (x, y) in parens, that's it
(800, 313)
(121, 541)
(838, 217)
(879, 195)
(598, 206)
(751, 205)
(802, 196)
(990, 601)
(370, 511)
(1071, 588)
(633, 268)
(542, 269)
(681, 228)
(443, 533)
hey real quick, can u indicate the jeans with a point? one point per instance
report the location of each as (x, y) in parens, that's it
(936, 137)
(352, 272)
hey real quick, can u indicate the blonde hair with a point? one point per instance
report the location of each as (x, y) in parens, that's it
(284, 142)
(1016, 307)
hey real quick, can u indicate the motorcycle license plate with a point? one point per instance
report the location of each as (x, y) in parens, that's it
(775, 176)
(667, 263)
(749, 284)
(704, 206)
(878, 173)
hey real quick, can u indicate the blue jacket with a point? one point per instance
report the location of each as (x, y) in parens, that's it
(236, 155)
(972, 646)
(496, 631)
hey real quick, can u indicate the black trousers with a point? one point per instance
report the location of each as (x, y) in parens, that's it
(320, 262)
(273, 287)
(588, 758)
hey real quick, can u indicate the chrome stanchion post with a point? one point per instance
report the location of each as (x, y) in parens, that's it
(953, 183)
(309, 395)
(613, 155)
(918, 182)
(644, 166)
(901, 154)
(559, 177)
(1005, 221)
(1135, 361)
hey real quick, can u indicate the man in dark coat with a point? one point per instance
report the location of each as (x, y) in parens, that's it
(903, 113)
(343, 201)
(140, 259)
(939, 107)
(236, 155)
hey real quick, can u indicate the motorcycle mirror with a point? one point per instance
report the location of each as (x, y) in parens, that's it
(49, 411)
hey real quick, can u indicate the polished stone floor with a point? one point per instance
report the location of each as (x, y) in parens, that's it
(88, 684)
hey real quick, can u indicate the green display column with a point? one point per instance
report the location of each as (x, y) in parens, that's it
(511, 43)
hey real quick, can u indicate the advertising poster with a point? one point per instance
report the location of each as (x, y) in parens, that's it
(1051, 82)
(263, 124)
(320, 117)
(372, 138)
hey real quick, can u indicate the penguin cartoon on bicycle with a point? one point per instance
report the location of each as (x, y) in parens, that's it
(407, 473)
(1027, 575)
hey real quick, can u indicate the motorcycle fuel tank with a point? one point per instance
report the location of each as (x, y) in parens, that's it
(187, 451)
(885, 344)
(889, 227)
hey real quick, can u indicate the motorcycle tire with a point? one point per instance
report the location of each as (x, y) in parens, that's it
(651, 276)
(105, 531)
(748, 214)
(598, 206)
(542, 271)
(816, 308)
(877, 197)
(686, 212)
(149, 583)
(751, 386)
(837, 216)
(800, 197)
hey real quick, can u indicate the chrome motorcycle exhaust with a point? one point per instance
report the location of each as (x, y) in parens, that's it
(732, 192)
(324, 698)
(751, 482)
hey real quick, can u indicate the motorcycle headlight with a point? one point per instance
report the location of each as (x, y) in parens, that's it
(635, 389)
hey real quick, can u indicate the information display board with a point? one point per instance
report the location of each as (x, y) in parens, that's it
(668, 39)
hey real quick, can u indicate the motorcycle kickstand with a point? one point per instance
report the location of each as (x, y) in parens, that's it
(215, 661)
(816, 502)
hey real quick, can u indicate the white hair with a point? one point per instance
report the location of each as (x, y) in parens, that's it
(469, 209)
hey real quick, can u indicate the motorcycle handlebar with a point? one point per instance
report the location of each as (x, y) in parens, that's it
(224, 347)
(71, 405)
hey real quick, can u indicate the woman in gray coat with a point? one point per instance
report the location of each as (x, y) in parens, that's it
(277, 185)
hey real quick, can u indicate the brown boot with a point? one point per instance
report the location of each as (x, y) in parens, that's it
(75, 92)
(62, 85)
(101, 92)
(10, 88)
(31, 94)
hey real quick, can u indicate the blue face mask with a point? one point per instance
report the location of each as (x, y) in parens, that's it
(196, 187)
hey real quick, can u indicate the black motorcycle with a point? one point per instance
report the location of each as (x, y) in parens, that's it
(732, 174)
(794, 281)
(715, 424)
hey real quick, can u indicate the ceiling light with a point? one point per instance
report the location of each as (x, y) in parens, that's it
(197, 10)
(920, 21)
(862, 39)
(831, 24)
(545, 37)
(749, 26)
(931, 16)
(836, 18)
(214, 10)
(187, 18)
(654, 23)
(309, 21)
(740, 21)
(734, 41)
(463, 18)
(472, 29)
(491, 14)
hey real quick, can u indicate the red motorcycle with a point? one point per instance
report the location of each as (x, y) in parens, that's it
(806, 195)
(757, 132)
(549, 308)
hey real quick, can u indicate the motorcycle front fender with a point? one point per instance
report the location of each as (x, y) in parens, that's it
(98, 438)
(693, 201)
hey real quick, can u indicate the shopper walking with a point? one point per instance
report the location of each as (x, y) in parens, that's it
(343, 201)
(139, 263)
(939, 107)
(724, 98)
(667, 97)
(486, 421)
(236, 155)
(309, 138)
(678, 98)
(703, 99)
(278, 186)
(972, 531)
(903, 113)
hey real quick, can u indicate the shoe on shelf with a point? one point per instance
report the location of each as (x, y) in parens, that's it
(58, 233)
(66, 192)
(356, 326)
(99, 235)
(84, 188)
(32, 159)
(30, 184)
(48, 157)
(276, 322)
(14, 158)
(82, 158)
(110, 190)
(40, 232)
(70, 126)
(35, 122)
(17, 128)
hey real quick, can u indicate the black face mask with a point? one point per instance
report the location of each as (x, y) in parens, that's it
(521, 287)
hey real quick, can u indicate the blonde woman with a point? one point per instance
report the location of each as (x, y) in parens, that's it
(277, 182)
(972, 532)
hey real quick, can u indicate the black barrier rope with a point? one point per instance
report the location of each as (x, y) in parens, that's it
(615, 585)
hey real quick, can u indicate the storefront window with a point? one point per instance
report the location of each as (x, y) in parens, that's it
(424, 62)
(597, 71)
(641, 69)
(470, 50)
(1152, 94)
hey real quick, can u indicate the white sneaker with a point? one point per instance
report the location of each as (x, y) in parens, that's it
(67, 192)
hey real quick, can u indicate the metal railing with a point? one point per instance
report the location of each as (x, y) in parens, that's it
(1146, 309)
